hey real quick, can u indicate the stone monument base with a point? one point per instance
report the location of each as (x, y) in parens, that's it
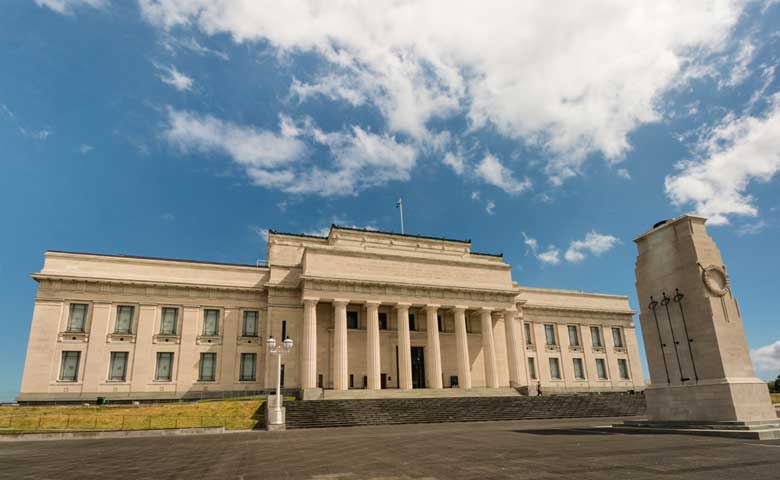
(744, 400)
(757, 430)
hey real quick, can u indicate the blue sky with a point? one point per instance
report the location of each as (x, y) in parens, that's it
(554, 134)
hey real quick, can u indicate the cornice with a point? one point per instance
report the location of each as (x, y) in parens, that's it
(39, 277)
(471, 262)
(577, 310)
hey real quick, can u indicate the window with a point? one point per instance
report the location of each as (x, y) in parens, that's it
(210, 322)
(601, 368)
(579, 370)
(412, 325)
(164, 367)
(69, 370)
(284, 330)
(623, 369)
(595, 335)
(168, 323)
(117, 370)
(250, 324)
(124, 319)
(531, 368)
(574, 336)
(549, 334)
(78, 317)
(617, 337)
(208, 367)
(440, 322)
(555, 369)
(529, 338)
(352, 320)
(281, 375)
(382, 321)
(248, 364)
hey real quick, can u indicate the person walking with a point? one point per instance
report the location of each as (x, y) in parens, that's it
(539, 389)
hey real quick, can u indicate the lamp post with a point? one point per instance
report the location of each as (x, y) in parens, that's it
(276, 417)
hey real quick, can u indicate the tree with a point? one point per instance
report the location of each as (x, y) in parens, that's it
(777, 385)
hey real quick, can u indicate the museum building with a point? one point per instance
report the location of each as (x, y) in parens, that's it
(366, 310)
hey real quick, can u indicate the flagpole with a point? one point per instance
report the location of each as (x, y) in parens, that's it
(400, 206)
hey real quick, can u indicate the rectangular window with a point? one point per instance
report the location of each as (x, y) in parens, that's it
(352, 320)
(124, 319)
(623, 369)
(281, 376)
(411, 322)
(601, 369)
(617, 336)
(207, 371)
(210, 322)
(549, 334)
(555, 369)
(117, 370)
(532, 368)
(77, 320)
(164, 367)
(382, 321)
(595, 335)
(284, 329)
(69, 370)
(440, 322)
(574, 336)
(250, 324)
(248, 367)
(529, 337)
(579, 370)
(168, 321)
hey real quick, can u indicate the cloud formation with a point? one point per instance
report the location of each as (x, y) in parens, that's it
(734, 153)
(570, 78)
(174, 78)
(493, 172)
(283, 160)
(766, 359)
(68, 6)
(594, 243)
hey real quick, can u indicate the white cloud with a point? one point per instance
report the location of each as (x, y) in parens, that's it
(594, 243)
(174, 78)
(475, 196)
(753, 228)
(490, 207)
(550, 256)
(531, 243)
(766, 359)
(491, 171)
(455, 161)
(85, 149)
(571, 78)
(360, 159)
(622, 172)
(733, 154)
(262, 233)
(742, 58)
(168, 217)
(68, 6)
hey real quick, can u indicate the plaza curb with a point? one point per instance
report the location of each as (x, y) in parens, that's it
(99, 434)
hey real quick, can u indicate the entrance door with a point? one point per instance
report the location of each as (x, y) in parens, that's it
(418, 367)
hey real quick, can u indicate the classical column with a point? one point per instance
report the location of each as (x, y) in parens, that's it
(309, 344)
(340, 367)
(404, 347)
(433, 360)
(489, 348)
(513, 344)
(462, 347)
(372, 345)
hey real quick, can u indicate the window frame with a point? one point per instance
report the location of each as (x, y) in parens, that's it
(547, 336)
(576, 330)
(215, 332)
(256, 321)
(579, 361)
(61, 377)
(529, 333)
(241, 360)
(157, 377)
(112, 359)
(603, 362)
(600, 336)
(213, 376)
(383, 325)
(353, 314)
(557, 362)
(68, 325)
(412, 322)
(621, 343)
(532, 368)
(131, 323)
(624, 363)
(175, 321)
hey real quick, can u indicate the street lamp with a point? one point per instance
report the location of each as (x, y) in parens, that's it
(276, 417)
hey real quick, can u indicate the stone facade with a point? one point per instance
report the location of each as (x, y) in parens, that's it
(366, 309)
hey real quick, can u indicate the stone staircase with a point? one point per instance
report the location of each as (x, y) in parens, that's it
(388, 411)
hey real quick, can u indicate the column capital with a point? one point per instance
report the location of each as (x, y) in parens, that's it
(340, 302)
(432, 307)
(310, 300)
(373, 303)
(403, 306)
(487, 309)
(460, 308)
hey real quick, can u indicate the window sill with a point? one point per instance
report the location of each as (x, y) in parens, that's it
(243, 340)
(247, 381)
(162, 382)
(120, 338)
(73, 337)
(620, 349)
(552, 348)
(575, 348)
(162, 338)
(208, 340)
(599, 350)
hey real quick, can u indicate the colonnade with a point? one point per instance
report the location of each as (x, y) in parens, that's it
(433, 363)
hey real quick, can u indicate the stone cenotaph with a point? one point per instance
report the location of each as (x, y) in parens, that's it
(700, 371)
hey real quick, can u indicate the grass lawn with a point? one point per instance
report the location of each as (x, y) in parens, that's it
(232, 414)
(775, 397)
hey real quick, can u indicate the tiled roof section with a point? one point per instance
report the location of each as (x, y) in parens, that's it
(424, 237)
(158, 258)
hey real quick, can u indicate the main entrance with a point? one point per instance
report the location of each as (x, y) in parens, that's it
(418, 367)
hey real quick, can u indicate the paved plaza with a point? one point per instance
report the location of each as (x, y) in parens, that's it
(521, 449)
